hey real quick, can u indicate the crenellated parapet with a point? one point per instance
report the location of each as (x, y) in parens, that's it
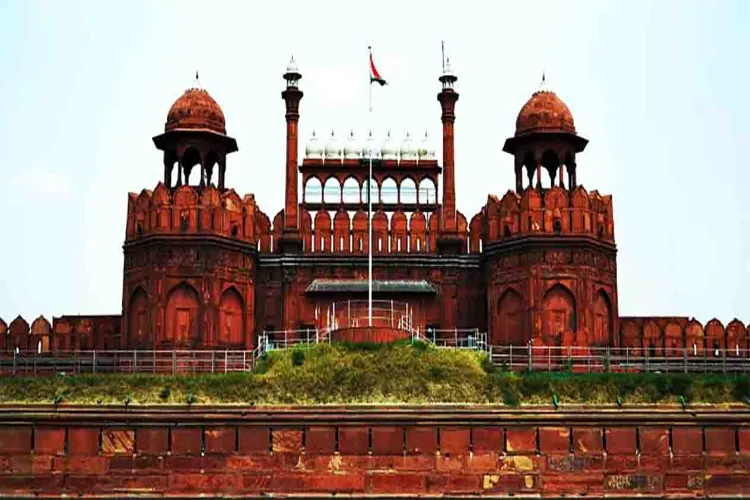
(680, 335)
(347, 232)
(189, 210)
(554, 211)
(65, 333)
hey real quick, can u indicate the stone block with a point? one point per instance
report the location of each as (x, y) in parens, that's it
(15, 439)
(49, 440)
(720, 441)
(387, 440)
(254, 439)
(286, 440)
(453, 483)
(621, 440)
(503, 484)
(521, 440)
(187, 441)
(202, 483)
(152, 440)
(421, 440)
(554, 440)
(320, 440)
(83, 441)
(395, 483)
(687, 441)
(354, 440)
(654, 441)
(455, 440)
(587, 441)
(220, 440)
(297, 482)
(487, 439)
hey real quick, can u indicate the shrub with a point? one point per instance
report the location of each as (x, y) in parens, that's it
(298, 357)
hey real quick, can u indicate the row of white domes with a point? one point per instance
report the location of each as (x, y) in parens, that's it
(353, 148)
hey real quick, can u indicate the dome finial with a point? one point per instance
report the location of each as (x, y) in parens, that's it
(197, 80)
(543, 83)
(292, 74)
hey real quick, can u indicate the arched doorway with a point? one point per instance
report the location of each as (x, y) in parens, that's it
(559, 312)
(231, 316)
(138, 328)
(602, 320)
(182, 315)
(510, 326)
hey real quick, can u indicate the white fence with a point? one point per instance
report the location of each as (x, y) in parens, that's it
(511, 358)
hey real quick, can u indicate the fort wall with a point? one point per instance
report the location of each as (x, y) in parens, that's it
(485, 451)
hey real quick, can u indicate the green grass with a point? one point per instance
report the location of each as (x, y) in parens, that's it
(400, 373)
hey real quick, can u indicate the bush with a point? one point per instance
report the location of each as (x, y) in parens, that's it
(298, 357)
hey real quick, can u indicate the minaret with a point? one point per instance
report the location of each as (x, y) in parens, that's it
(448, 97)
(291, 240)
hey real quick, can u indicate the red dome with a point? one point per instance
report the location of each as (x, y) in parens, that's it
(544, 112)
(195, 110)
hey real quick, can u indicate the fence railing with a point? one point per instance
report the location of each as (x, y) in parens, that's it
(512, 358)
(357, 314)
(133, 361)
(619, 359)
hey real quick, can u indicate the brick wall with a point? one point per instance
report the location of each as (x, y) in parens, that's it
(362, 452)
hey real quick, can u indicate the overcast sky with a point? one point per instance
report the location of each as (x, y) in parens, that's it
(659, 88)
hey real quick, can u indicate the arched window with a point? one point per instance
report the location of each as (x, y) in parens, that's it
(332, 191)
(427, 192)
(373, 192)
(313, 191)
(389, 191)
(408, 191)
(351, 190)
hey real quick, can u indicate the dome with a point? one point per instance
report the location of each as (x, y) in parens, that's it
(544, 112)
(389, 150)
(314, 148)
(426, 149)
(352, 150)
(196, 110)
(408, 150)
(370, 149)
(333, 148)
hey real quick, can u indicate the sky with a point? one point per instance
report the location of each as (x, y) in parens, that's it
(659, 89)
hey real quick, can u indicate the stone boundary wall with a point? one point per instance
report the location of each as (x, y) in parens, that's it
(454, 451)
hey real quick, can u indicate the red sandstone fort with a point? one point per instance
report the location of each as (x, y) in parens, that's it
(206, 267)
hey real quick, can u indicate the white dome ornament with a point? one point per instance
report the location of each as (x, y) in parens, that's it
(389, 150)
(426, 149)
(314, 149)
(352, 150)
(370, 149)
(333, 149)
(408, 151)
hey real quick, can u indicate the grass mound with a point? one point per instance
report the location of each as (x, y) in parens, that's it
(399, 373)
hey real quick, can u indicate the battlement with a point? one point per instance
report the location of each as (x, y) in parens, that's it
(398, 232)
(668, 335)
(551, 211)
(195, 210)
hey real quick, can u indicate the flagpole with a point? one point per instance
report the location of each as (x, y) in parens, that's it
(369, 201)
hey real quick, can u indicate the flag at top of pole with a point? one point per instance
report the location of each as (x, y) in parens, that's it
(374, 75)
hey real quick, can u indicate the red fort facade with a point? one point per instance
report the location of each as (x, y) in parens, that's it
(205, 267)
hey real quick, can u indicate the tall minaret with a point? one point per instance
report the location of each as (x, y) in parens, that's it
(448, 97)
(291, 239)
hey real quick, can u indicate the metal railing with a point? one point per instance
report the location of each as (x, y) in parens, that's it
(356, 314)
(165, 362)
(512, 358)
(619, 359)
(457, 338)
